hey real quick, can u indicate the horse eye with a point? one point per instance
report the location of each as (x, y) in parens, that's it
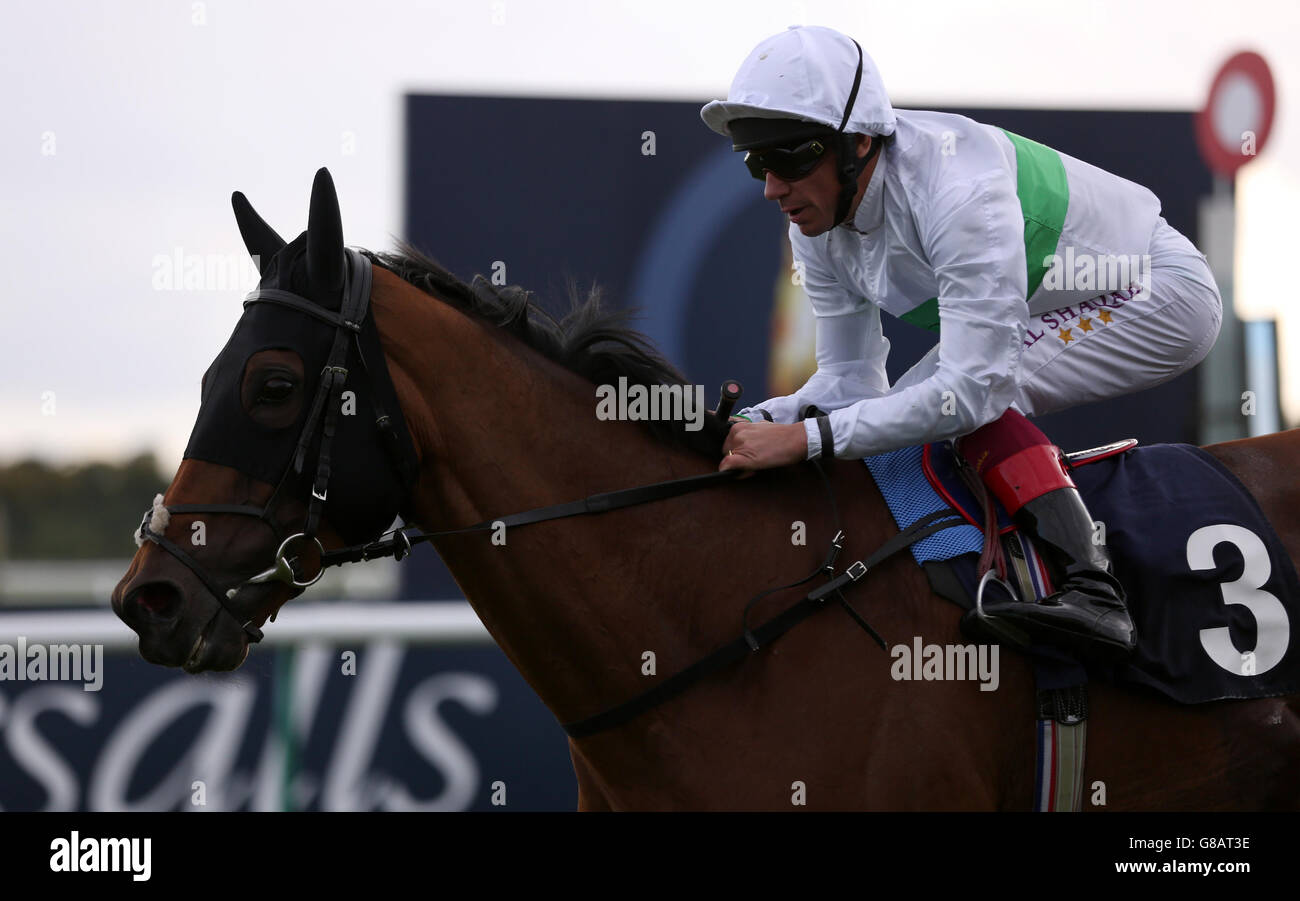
(275, 391)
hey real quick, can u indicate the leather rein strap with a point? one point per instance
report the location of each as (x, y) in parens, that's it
(400, 544)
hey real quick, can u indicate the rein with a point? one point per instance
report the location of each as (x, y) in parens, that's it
(401, 543)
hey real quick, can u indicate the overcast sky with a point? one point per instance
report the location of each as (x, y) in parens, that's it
(127, 125)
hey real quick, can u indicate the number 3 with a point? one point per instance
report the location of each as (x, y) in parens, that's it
(1272, 627)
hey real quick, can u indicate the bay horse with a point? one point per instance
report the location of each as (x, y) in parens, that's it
(498, 402)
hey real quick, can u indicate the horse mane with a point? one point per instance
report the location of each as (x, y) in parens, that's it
(590, 340)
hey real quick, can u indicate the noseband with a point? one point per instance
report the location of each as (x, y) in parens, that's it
(321, 421)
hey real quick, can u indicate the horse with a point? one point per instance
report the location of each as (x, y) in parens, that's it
(497, 402)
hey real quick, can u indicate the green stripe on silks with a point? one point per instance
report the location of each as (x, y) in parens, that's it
(1044, 195)
(925, 316)
(1044, 199)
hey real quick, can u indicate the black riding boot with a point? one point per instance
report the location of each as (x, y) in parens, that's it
(1087, 615)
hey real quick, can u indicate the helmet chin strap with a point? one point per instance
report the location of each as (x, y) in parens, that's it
(851, 170)
(851, 165)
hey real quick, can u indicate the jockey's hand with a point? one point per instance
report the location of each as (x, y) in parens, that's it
(763, 445)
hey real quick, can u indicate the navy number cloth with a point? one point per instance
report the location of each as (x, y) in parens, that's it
(1211, 589)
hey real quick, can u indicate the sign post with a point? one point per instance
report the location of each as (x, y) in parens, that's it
(1238, 379)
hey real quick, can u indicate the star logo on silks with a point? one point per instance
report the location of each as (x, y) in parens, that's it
(1065, 335)
(1085, 324)
(1104, 316)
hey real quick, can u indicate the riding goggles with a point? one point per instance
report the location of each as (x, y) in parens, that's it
(786, 163)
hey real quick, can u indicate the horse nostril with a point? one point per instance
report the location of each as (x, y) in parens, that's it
(159, 599)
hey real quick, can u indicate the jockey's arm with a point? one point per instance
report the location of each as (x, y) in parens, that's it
(972, 232)
(851, 352)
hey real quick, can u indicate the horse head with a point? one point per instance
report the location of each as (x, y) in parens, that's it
(299, 445)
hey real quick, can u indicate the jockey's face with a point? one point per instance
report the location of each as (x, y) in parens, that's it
(810, 202)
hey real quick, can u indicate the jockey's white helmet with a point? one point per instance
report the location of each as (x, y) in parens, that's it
(806, 72)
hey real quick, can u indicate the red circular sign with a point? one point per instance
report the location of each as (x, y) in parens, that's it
(1238, 114)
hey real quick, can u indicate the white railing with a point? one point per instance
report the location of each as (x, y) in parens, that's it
(412, 622)
(89, 582)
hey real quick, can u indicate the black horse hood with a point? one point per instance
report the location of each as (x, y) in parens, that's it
(370, 473)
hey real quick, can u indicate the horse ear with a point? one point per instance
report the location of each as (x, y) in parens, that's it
(325, 235)
(260, 239)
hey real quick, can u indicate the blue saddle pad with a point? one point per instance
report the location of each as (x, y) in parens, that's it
(910, 496)
(1211, 589)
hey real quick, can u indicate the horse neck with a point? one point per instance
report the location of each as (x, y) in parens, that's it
(500, 429)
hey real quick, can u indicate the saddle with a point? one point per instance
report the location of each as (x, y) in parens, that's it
(1210, 586)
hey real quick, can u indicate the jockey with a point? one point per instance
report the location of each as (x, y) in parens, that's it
(1051, 282)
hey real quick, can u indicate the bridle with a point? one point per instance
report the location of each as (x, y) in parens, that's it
(321, 423)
